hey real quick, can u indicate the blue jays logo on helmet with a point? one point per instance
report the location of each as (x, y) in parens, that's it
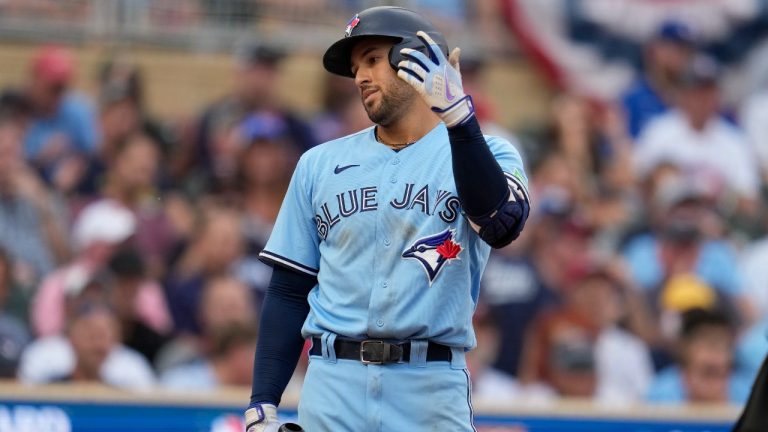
(434, 252)
(351, 25)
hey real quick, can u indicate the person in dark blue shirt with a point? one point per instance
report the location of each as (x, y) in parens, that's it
(664, 58)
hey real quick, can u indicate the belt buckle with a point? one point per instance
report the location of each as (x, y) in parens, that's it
(367, 361)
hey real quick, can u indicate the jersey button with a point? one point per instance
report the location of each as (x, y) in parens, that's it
(392, 180)
(385, 285)
(395, 161)
(387, 242)
(380, 322)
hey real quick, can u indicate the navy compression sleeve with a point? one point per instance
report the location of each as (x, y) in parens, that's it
(280, 342)
(480, 182)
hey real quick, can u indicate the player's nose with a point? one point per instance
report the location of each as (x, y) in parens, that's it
(362, 78)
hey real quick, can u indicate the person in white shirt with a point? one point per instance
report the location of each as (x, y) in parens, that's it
(89, 352)
(694, 138)
(753, 117)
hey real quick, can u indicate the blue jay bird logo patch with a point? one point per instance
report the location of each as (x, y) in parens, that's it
(433, 252)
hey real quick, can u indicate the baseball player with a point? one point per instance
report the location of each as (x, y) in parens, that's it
(381, 240)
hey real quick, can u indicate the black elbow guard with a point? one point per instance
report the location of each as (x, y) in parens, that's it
(505, 224)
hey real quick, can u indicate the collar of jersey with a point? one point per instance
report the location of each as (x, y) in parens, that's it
(435, 130)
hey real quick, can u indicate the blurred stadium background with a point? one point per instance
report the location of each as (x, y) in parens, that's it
(145, 146)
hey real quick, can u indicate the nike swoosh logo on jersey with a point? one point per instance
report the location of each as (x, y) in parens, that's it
(339, 169)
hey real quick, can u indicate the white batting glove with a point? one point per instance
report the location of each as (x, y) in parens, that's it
(261, 418)
(438, 81)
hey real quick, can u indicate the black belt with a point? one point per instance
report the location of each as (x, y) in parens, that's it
(374, 351)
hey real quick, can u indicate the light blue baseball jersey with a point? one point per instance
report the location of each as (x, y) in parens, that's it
(384, 234)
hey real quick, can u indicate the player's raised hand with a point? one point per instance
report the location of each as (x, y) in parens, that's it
(261, 418)
(438, 80)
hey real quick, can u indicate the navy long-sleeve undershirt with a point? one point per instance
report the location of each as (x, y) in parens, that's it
(480, 182)
(280, 343)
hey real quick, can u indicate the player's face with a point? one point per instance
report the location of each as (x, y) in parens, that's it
(386, 98)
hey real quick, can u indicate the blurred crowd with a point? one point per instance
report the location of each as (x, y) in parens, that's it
(128, 243)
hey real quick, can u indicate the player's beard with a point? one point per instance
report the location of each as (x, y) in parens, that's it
(394, 102)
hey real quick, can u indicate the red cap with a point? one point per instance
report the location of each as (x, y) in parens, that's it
(53, 64)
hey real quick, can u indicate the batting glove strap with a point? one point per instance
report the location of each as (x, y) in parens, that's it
(261, 418)
(458, 113)
(437, 79)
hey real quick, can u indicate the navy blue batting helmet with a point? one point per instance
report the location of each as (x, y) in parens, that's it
(388, 21)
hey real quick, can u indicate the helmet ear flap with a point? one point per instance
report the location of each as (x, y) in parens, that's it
(394, 55)
(414, 43)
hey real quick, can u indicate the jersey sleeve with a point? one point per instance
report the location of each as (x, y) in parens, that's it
(294, 242)
(511, 163)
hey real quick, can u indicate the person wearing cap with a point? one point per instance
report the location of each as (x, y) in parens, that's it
(256, 74)
(99, 231)
(63, 123)
(267, 159)
(680, 238)
(696, 139)
(131, 179)
(664, 57)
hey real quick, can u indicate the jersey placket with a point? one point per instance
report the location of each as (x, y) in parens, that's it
(382, 294)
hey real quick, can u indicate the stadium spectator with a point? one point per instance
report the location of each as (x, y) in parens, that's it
(14, 296)
(696, 139)
(63, 133)
(99, 231)
(224, 302)
(685, 241)
(594, 143)
(753, 116)
(32, 227)
(131, 182)
(216, 250)
(14, 334)
(584, 152)
(474, 79)
(92, 334)
(341, 112)
(229, 362)
(489, 383)
(664, 58)
(753, 266)
(518, 285)
(122, 115)
(579, 349)
(266, 163)
(705, 371)
(214, 156)
(145, 323)
(89, 350)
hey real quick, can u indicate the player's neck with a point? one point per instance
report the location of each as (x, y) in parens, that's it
(409, 129)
